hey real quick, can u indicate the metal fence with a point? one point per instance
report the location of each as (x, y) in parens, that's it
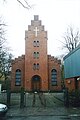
(34, 99)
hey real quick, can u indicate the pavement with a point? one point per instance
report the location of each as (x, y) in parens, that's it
(43, 113)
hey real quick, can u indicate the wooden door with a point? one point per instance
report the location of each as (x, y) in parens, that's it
(36, 83)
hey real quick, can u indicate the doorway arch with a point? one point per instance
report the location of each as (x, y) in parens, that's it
(36, 83)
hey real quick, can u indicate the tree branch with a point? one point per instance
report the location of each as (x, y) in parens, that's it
(27, 7)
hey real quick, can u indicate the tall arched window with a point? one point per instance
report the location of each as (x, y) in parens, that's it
(18, 77)
(54, 77)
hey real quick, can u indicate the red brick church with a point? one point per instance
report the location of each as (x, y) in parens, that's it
(36, 70)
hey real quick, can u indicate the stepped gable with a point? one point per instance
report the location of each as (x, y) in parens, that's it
(35, 23)
(52, 58)
(20, 58)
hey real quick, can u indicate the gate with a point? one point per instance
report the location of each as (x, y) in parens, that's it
(37, 99)
(48, 99)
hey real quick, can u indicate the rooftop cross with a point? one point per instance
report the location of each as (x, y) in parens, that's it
(36, 30)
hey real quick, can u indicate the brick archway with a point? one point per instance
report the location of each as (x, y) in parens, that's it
(36, 83)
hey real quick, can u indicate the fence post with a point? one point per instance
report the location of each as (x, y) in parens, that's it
(66, 97)
(8, 97)
(22, 98)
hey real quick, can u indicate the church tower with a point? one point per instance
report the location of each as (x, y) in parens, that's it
(36, 70)
(36, 61)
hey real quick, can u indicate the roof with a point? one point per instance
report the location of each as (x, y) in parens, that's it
(73, 51)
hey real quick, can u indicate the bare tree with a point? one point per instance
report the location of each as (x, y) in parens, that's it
(5, 56)
(2, 32)
(23, 3)
(72, 39)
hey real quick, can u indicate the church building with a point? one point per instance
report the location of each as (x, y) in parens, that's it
(36, 70)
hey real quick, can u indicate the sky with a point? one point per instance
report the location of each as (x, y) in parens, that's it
(56, 16)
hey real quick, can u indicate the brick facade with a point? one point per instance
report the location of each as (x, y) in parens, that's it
(54, 63)
(72, 83)
(18, 63)
(36, 65)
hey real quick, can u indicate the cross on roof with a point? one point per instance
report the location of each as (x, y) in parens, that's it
(36, 31)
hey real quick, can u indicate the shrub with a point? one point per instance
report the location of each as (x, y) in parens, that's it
(74, 98)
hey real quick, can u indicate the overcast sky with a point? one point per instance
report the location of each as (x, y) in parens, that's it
(56, 16)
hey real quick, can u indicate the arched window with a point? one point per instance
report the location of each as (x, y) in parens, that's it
(34, 43)
(54, 77)
(36, 55)
(34, 66)
(18, 77)
(37, 43)
(37, 66)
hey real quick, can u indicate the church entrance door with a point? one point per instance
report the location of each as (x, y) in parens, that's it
(36, 83)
